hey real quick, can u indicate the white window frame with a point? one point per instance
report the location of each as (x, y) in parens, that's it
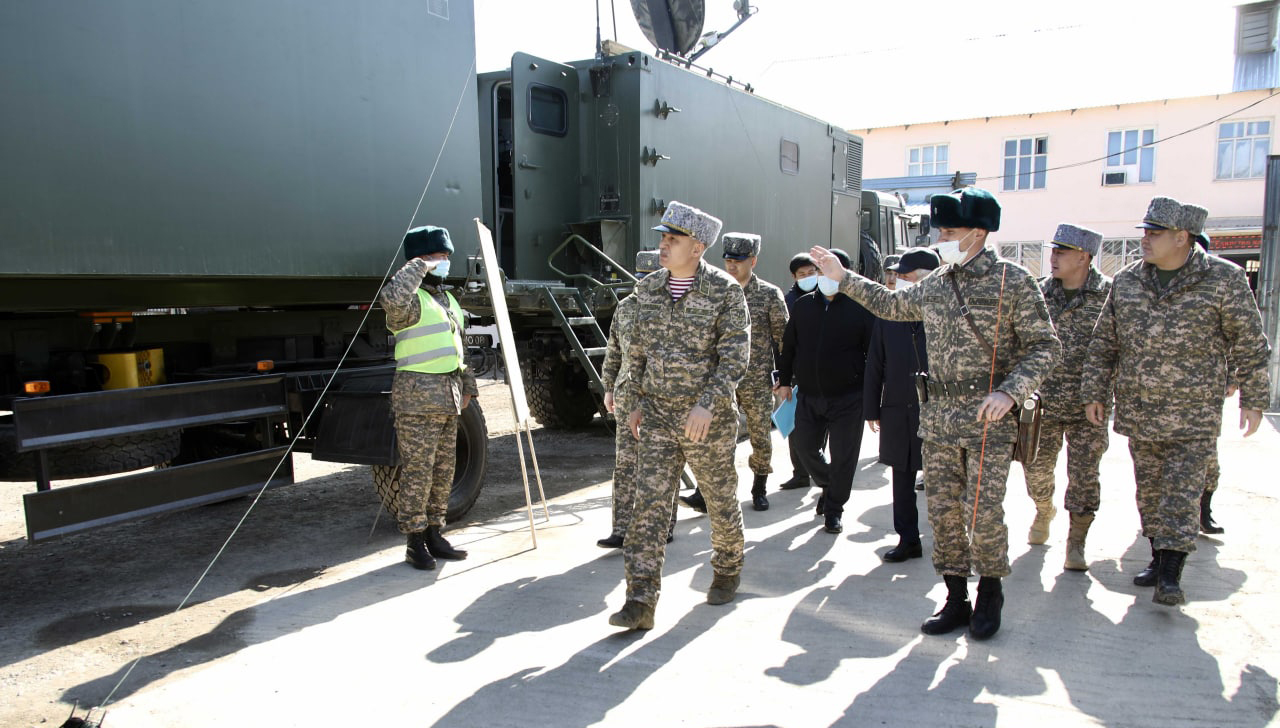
(921, 168)
(1246, 125)
(1013, 182)
(1132, 170)
(1027, 253)
(1110, 261)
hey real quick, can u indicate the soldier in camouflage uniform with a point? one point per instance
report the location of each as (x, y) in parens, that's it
(755, 391)
(968, 439)
(1178, 326)
(1074, 293)
(431, 388)
(620, 397)
(688, 353)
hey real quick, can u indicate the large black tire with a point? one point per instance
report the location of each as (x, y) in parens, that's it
(469, 471)
(558, 394)
(102, 457)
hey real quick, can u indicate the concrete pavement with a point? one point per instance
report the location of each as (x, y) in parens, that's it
(823, 632)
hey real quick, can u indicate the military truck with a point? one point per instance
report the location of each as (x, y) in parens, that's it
(199, 203)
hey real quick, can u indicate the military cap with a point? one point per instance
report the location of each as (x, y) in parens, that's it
(1079, 238)
(741, 246)
(426, 240)
(970, 207)
(915, 259)
(1166, 213)
(800, 259)
(646, 261)
(683, 219)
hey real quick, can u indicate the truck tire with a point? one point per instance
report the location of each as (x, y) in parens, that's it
(87, 460)
(468, 474)
(558, 394)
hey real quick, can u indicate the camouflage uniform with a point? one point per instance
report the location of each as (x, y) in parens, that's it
(1063, 413)
(616, 378)
(1167, 352)
(426, 408)
(691, 352)
(954, 453)
(755, 392)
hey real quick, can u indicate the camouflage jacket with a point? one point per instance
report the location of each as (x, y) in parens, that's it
(694, 349)
(768, 322)
(1073, 320)
(1027, 347)
(614, 374)
(1169, 352)
(421, 393)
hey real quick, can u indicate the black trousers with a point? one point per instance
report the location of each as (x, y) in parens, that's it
(797, 462)
(839, 419)
(906, 518)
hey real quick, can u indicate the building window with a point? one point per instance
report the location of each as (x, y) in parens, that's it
(1028, 254)
(1131, 157)
(1116, 253)
(1243, 147)
(924, 161)
(789, 157)
(1025, 162)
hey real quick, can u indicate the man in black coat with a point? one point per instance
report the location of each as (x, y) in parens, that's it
(824, 352)
(891, 407)
(805, 274)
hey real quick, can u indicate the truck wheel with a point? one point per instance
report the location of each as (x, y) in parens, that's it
(472, 462)
(102, 457)
(560, 398)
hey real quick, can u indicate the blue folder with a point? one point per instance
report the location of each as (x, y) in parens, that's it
(785, 416)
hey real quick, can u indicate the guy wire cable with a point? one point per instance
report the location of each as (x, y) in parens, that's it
(320, 399)
(986, 421)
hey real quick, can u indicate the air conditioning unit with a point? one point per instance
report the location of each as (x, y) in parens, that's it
(1110, 179)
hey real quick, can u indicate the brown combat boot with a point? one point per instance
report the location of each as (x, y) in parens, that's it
(633, 615)
(1075, 542)
(723, 588)
(1039, 532)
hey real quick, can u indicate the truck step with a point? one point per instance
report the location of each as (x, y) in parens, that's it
(580, 320)
(594, 350)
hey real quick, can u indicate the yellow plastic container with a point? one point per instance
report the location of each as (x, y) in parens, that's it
(129, 369)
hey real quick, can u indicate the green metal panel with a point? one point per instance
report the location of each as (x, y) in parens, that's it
(201, 140)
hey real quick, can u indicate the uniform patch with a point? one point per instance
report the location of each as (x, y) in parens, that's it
(1041, 308)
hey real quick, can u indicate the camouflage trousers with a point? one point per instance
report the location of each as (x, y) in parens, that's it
(1085, 445)
(663, 450)
(626, 451)
(1212, 471)
(757, 404)
(961, 544)
(427, 444)
(1171, 477)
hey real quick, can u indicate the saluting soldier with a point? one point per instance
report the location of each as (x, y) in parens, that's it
(688, 353)
(755, 391)
(620, 397)
(432, 386)
(1074, 292)
(1179, 326)
(968, 439)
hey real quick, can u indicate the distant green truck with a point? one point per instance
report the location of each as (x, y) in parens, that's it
(198, 203)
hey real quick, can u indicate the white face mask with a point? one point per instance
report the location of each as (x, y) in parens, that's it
(441, 269)
(808, 283)
(949, 251)
(902, 284)
(827, 286)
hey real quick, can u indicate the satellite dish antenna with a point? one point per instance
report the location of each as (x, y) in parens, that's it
(670, 25)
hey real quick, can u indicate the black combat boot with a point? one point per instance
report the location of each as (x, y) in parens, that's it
(1168, 588)
(440, 548)
(1147, 577)
(956, 612)
(1207, 523)
(758, 501)
(416, 552)
(695, 501)
(613, 542)
(986, 608)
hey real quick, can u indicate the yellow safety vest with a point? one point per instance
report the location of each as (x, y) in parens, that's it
(434, 344)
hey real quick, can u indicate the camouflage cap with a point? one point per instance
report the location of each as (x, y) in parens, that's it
(683, 219)
(741, 246)
(1077, 238)
(646, 261)
(1166, 213)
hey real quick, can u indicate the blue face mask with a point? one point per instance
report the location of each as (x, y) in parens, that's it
(827, 286)
(441, 270)
(808, 283)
